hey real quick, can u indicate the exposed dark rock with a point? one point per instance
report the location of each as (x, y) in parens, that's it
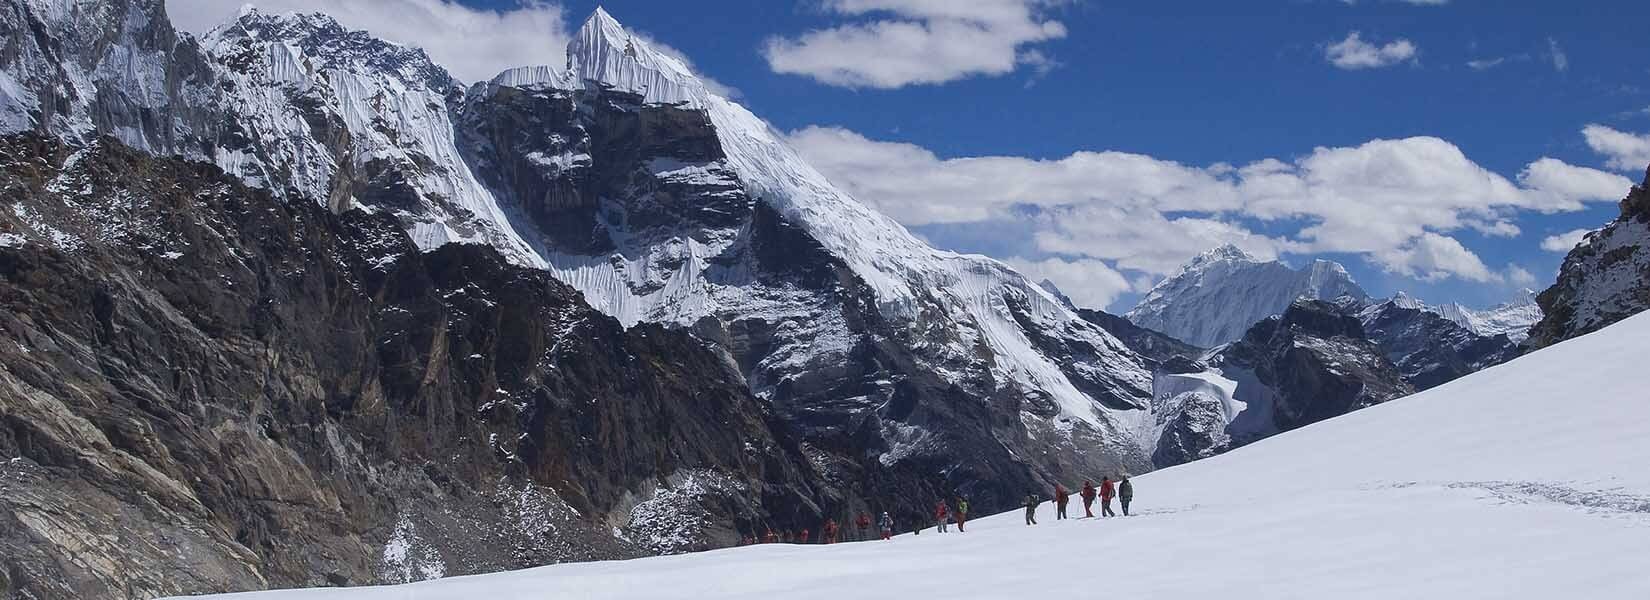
(1156, 346)
(205, 389)
(1318, 364)
(1428, 349)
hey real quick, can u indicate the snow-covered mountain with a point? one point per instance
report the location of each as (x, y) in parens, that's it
(1456, 492)
(1217, 296)
(894, 366)
(1605, 278)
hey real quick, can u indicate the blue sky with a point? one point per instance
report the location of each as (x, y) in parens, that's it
(1106, 141)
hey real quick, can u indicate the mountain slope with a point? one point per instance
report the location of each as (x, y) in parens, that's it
(1605, 278)
(664, 202)
(1455, 492)
(205, 389)
(1217, 296)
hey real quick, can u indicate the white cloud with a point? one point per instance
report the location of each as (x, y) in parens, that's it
(1431, 257)
(1089, 283)
(1624, 151)
(1556, 186)
(1520, 277)
(915, 42)
(1355, 53)
(1483, 64)
(473, 44)
(1555, 53)
(1564, 242)
(1395, 202)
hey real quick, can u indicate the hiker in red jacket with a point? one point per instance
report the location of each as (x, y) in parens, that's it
(1106, 492)
(864, 523)
(803, 539)
(940, 514)
(830, 531)
(1061, 498)
(1088, 499)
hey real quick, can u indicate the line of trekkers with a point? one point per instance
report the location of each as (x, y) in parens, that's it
(829, 531)
(946, 514)
(1123, 490)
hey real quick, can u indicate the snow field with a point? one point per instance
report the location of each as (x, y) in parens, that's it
(1525, 480)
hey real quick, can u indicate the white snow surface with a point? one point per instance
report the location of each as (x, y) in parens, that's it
(1221, 293)
(1509, 483)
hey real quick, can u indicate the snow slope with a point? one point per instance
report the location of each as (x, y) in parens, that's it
(1521, 481)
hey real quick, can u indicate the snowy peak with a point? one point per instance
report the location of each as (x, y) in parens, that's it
(1220, 293)
(604, 51)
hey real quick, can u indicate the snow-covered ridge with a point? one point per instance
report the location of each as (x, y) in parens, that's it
(1512, 318)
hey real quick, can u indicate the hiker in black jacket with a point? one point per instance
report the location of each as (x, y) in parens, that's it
(1125, 493)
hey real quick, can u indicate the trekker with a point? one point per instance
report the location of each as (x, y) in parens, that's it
(770, 537)
(1125, 493)
(940, 515)
(864, 523)
(829, 531)
(1031, 508)
(962, 512)
(803, 539)
(1106, 492)
(1061, 498)
(886, 523)
(1088, 499)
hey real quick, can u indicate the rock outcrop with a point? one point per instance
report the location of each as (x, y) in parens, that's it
(1605, 278)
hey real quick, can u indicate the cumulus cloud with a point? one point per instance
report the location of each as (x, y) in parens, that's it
(914, 42)
(1432, 257)
(1354, 53)
(1089, 283)
(1564, 242)
(1395, 202)
(1623, 151)
(473, 44)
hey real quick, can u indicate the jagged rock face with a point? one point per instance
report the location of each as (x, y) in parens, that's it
(83, 68)
(1318, 364)
(1429, 349)
(206, 389)
(1604, 278)
(1217, 296)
